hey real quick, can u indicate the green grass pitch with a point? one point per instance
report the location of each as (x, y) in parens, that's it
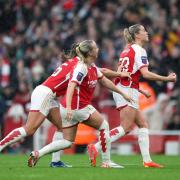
(14, 167)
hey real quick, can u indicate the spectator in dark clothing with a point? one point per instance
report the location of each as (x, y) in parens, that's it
(175, 123)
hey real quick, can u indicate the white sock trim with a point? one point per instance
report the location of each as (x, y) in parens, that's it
(104, 125)
(121, 129)
(143, 130)
(22, 131)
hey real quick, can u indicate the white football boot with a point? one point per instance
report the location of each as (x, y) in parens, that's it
(111, 164)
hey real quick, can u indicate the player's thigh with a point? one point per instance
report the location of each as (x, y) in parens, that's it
(35, 119)
(127, 117)
(69, 133)
(140, 120)
(55, 117)
(95, 120)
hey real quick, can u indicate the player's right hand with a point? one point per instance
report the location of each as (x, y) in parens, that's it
(172, 77)
(125, 74)
(69, 115)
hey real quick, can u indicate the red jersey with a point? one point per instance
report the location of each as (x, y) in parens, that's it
(58, 81)
(132, 59)
(86, 79)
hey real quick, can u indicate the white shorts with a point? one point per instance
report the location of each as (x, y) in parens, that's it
(42, 100)
(78, 115)
(121, 102)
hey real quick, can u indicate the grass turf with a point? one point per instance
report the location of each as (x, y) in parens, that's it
(14, 167)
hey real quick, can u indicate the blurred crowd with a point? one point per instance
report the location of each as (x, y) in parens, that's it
(33, 33)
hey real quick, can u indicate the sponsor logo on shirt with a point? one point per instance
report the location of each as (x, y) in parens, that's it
(144, 59)
(80, 76)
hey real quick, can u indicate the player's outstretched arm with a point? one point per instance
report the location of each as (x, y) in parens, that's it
(70, 92)
(110, 85)
(113, 74)
(155, 77)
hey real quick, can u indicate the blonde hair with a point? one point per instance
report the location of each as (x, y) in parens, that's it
(129, 33)
(84, 48)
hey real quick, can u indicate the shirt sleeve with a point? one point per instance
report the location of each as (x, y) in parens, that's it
(141, 59)
(79, 73)
(99, 73)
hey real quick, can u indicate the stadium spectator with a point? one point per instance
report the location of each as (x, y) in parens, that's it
(159, 114)
(175, 123)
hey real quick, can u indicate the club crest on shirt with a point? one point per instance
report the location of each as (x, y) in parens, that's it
(144, 59)
(80, 76)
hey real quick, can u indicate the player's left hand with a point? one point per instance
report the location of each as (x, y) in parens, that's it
(147, 94)
(69, 115)
(128, 98)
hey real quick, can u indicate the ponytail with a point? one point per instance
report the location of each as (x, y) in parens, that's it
(127, 36)
(82, 50)
(129, 33)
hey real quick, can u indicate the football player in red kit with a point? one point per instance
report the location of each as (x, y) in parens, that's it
(76, 106)
(44, 105)
(133, 59)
